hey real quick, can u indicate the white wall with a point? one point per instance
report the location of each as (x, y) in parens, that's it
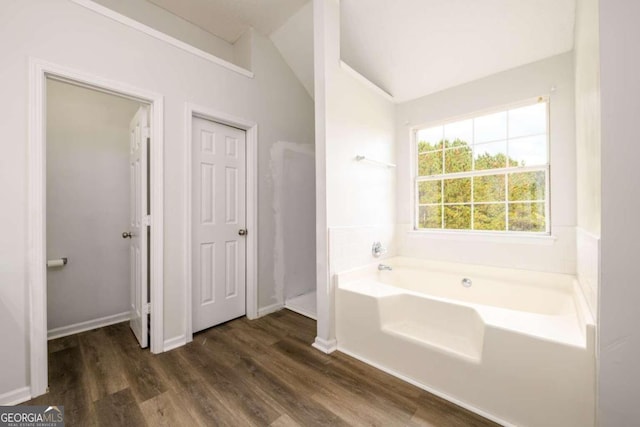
(66, 33)
(587, 82)
(521, 83)
(619, 317)
(588, 158)
(160, 19)
(351, 119)
(87, 203)
(359, 122)
(294, 40)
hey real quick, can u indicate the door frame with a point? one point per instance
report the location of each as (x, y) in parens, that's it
(251, 129)
(39, 71)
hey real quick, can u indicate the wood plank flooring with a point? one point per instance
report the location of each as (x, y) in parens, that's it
(243, 373)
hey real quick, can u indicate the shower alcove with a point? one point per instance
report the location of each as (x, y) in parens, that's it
(293, 171)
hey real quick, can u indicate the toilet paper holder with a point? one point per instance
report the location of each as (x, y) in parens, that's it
(60, 262)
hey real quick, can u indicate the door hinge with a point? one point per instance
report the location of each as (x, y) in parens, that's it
(147, 308)
(146, 220)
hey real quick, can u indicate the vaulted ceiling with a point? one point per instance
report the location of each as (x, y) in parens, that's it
(411, 48)
(294, 40)
(229, 19)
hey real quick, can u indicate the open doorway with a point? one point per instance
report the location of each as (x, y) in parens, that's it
(95, 210)
(94, 197)
(294, 205)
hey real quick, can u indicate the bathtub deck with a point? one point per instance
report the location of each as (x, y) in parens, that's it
(424, 335)
(261, 372)
(500, 346)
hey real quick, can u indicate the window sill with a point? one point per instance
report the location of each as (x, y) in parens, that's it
(470, 236)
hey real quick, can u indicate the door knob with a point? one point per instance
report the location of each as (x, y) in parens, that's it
(127, 234)
(242, 232)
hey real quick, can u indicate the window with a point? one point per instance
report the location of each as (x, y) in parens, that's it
(489, 172)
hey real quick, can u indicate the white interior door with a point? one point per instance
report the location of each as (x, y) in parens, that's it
(138, 223)
(219, 221)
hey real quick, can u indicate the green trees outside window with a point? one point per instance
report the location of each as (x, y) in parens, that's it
(486, 173)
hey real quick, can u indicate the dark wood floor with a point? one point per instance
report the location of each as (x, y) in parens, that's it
(260, 372)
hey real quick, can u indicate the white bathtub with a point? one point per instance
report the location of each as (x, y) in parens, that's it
(516, 346)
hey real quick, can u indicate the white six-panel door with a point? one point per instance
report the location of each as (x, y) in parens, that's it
(137, 233)
(219, 222)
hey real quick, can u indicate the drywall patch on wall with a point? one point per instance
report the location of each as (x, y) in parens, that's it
(59, 31)
(293, 177)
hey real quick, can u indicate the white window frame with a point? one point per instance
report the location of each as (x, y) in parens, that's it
(416, 179)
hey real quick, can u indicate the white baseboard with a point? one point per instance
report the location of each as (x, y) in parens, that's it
(16, 396)
(175, 342)
(427, 388)
(270, 309)
(325, 346)
(63, 331)
(302, 311)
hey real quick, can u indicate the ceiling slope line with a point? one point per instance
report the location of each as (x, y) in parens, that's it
(136, 25)
(368, 83)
